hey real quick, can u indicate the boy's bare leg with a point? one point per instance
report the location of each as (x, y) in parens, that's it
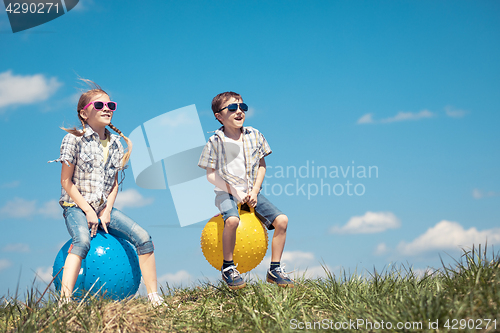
(229, 274)
(229, 237)
(278, 244)
(276, 274)
(72, 267)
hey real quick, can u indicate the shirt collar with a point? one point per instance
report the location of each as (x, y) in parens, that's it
(220, 131)
(89, 132)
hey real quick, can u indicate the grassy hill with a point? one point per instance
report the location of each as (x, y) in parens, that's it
(462, 298)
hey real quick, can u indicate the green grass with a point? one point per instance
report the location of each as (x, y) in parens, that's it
(467, 292)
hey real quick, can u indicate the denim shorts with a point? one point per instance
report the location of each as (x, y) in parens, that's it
(265, 210)
(120, 226)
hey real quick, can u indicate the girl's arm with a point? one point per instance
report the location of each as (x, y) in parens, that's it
(76, 196)
(216, 180)
(105, 214)
(261, 172)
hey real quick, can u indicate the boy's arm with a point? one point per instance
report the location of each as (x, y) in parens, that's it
(261, 172)
(216, 180)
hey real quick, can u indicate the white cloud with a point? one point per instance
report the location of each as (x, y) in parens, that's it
(404, 116)
(250, 113)
(454, 113)
(297, 258)
(400, 116)
(131, 198)
(179, 278)
(479, 194)
(62, 103)
(371, 222)
(381, 249)
(447, 235)
(75, 97)
(4, 264)
(175, 280)
(19, 208)
(12, 184)
(17, 247)
(366, 119)
(44, 274)
(421, 272)
(51, 209)
(27, 89)
(301, 263)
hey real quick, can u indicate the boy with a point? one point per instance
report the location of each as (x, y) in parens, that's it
(234, 160)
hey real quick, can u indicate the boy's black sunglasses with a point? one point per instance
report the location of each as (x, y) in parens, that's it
(233, 107)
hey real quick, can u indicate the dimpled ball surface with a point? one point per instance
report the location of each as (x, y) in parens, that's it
(251, 242)
(111, 268)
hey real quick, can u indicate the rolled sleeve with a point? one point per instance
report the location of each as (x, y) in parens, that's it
(68, 150)
(208, 156)
(117, 154)
(265, 149)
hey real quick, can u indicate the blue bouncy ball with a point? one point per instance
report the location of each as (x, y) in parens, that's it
(111, 261)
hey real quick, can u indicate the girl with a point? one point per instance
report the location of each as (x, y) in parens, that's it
(91, 159)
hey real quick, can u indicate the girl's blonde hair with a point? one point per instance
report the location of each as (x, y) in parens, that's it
(84, 100)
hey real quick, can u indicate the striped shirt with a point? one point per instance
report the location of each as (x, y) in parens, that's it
(93, 176)
(214, 155)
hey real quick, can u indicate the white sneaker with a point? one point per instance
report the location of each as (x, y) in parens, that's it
(156, 300)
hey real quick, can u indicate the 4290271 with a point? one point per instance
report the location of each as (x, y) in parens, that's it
(478, 324)
(33, 8)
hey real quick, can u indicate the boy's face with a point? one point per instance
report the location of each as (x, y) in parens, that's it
(231, 119)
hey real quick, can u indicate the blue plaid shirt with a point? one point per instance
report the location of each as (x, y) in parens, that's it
(93, 176)
(214, 156)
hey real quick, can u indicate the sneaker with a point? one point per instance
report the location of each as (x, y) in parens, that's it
(156, 300)
(233, 278)
(279, 277)
(64, 301)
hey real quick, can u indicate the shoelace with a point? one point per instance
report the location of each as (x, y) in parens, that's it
(281, 271)
(234, 273)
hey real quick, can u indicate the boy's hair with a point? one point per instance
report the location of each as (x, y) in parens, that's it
(82, 102)
(222, 98)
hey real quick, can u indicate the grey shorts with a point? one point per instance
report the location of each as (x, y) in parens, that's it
(265, 210)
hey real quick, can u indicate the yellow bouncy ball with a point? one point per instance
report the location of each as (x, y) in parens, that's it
(251, 241)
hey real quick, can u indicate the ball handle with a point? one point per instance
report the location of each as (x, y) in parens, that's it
(250, 208)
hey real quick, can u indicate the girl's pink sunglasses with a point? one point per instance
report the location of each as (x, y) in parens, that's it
(98, 105)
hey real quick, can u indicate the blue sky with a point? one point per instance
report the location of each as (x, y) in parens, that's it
(409, 88)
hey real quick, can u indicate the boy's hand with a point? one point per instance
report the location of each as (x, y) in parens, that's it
(241, 196)
(251, 198)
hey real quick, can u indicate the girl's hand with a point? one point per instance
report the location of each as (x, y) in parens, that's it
(252, 198)
(92, 221)
(105, 218)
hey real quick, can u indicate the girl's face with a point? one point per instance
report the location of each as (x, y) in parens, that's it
(97, 118)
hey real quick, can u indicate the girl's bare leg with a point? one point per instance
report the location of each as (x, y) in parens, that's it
(147, 263)
(72, 267)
